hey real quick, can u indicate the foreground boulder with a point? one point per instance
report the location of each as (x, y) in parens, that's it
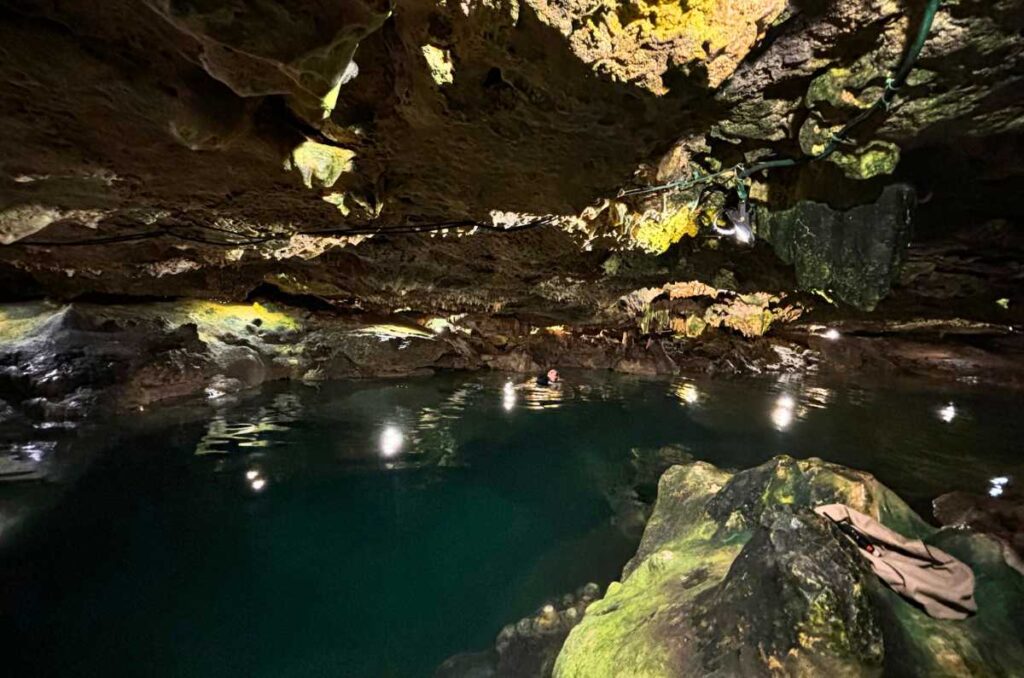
(736, 575)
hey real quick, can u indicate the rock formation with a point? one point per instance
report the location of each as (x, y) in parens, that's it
(735, 575)
(203, 149)
(198, 197)
(528, 647)
(486, 165)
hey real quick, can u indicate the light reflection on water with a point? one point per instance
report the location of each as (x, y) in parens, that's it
(414, 424)
(415, 517)
(407, 426)
(686, 391)
(538, 398)
(817, 397)
(784, 411)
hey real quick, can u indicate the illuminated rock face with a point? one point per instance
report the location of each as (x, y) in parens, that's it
(220, 136)
(62, 362)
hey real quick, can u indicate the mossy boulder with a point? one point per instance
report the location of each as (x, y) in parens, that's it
(855, 254)
(735, 575)
(870, 160)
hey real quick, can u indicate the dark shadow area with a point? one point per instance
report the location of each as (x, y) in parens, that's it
(16, 285)
(273, 293)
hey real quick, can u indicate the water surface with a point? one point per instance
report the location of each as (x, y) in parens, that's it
(375, 528)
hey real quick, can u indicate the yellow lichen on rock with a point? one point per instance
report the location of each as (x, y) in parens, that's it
(691, 326)
(338, 200)
(656, 234)
(709, 25)
(215, 319)
(692, 307)
(639, 40)
(439, 61)
(319, 164)
(17, 321)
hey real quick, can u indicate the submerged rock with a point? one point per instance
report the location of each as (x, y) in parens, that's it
(528, 647)
(1002, 518)
(648, 465)
(631, 496)
(735, 575)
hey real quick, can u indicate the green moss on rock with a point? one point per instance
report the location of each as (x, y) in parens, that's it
(876, 158)
(854, 254)
(735, 575)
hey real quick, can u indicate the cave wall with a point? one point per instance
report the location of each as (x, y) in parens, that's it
(205, 149)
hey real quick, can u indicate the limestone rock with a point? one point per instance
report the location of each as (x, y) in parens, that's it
(527, 647)
(735, 575)
(59, 363)
(854, 254)
(232, 146)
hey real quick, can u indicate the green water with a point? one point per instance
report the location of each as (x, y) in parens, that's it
(376, 528)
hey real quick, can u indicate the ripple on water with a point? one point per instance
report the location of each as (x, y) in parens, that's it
(413, 518)
(230, 430)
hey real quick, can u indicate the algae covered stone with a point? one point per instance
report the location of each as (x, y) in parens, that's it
(854, 254)
(873, 159)
(735, 575)
(657, 233)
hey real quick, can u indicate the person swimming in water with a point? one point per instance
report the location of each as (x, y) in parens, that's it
(549, 378)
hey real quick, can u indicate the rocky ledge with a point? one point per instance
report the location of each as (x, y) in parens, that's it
(61, 362)
(735, 575)
(496, 155)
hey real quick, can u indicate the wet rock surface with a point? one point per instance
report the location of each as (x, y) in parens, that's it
(189, 151)
(420, 186)
(58, 363)
(999, 516)
(736, 576)
(529, 646)
(794, 563)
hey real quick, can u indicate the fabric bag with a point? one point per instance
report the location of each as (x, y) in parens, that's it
(942, 585)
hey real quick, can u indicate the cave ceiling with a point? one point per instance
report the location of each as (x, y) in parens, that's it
(201, 148)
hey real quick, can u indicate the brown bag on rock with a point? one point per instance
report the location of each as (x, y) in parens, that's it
(928, 576)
